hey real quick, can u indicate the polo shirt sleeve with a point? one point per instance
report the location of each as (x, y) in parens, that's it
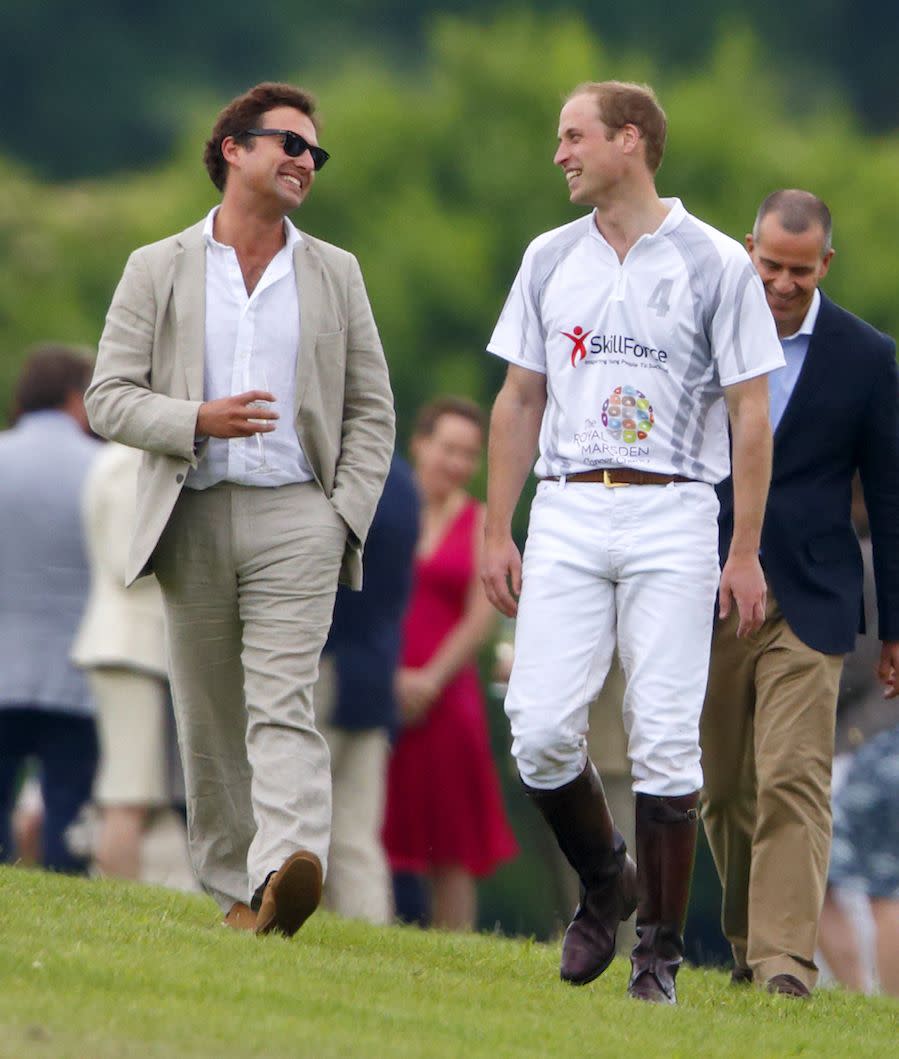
(743, 335)
(519, 335)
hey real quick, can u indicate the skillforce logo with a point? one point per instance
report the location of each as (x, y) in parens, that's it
(627, 415)
(611, 346)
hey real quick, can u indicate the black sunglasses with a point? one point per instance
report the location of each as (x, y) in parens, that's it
(294, 145)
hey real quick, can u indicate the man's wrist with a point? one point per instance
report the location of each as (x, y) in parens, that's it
(495, 533)
(742, 551)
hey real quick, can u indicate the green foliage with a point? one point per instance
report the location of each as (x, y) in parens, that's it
(105, 969)
(441, 176)
(97, 86)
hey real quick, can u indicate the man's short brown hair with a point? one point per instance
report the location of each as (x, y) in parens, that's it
(243, 113)
(50, 374)
(797, 211)
(624, 103)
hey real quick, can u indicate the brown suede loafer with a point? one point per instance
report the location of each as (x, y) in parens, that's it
(788, 985)
(240, 917)
(290, 895)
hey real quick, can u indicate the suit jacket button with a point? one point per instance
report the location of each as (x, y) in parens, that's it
(179, 478)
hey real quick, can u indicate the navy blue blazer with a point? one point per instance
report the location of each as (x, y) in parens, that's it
(842, 416)
(366, 632)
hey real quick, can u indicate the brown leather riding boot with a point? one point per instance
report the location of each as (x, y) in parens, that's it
(580, 819)
(666, 846)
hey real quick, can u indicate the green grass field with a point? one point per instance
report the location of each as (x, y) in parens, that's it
(92, 969)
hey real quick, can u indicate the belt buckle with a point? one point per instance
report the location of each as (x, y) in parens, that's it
(609, 484)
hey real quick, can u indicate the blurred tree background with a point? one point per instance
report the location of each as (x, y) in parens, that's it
(442, 126)
(442, 129)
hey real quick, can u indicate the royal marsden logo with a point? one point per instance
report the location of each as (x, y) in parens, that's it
(627, 415)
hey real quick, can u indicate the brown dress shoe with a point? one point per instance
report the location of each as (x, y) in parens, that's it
(788, 985)
(741, 976)
(240, 917)
(290, 895)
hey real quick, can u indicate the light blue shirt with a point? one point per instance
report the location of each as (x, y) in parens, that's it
(782, 381)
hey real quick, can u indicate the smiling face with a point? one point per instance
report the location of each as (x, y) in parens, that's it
(592, 156)
(260, 168)
(791, 265)
(447, 458)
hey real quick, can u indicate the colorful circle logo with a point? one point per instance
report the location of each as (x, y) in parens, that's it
(627, 415)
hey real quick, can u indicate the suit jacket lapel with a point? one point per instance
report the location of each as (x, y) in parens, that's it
(309, 291)
(189, 292)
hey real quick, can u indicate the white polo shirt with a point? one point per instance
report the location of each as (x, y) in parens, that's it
(636, 353)
(251, 344)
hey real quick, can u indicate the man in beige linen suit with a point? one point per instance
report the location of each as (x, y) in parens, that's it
(247, 513)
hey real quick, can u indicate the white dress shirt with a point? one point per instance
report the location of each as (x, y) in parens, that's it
(251, 344)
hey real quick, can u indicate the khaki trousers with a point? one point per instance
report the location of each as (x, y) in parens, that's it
(249, 578)
(358, 883)
(767, 736)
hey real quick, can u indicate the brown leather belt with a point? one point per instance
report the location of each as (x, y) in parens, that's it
(615, 476)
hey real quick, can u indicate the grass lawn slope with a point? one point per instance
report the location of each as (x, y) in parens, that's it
(96, 969)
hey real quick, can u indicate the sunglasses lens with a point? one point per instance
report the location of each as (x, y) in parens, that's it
(294, 145)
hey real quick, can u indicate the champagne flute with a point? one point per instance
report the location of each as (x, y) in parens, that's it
(257, 379)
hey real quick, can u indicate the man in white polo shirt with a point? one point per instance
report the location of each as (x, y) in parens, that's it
(248, 514)
(632, 335)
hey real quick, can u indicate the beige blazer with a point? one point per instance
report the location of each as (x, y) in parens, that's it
(148, 383)
(122, 627)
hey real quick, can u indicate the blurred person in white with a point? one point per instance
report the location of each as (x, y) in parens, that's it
(121, 646)
(46, 711)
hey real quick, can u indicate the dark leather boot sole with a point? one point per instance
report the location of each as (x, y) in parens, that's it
(626, 897)
(293, 893)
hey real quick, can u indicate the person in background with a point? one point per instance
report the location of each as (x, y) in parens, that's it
(120, 644)
(445, 818)
(46, 711)
(865, 860)
(858, 934)
(767, 729)
(355, 703)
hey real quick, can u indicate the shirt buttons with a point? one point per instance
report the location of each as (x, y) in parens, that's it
(179, 478)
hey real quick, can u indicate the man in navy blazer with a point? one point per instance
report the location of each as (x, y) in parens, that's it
(768, 721)
(355, 704)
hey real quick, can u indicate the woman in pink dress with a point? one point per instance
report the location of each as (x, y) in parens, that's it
(444, 817)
